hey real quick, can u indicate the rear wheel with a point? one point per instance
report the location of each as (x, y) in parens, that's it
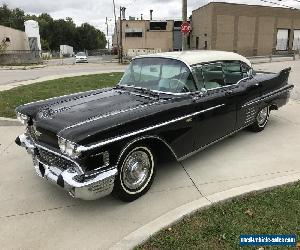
(136, 173)
(261, 121)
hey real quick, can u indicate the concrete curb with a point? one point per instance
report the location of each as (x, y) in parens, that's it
(54, 77)
(23, 67)
(145, 232)
(9, 122)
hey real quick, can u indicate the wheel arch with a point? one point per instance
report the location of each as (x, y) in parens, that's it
(158, 145)
(273, 106)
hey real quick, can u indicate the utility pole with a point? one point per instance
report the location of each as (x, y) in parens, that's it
(116, 26)
(107, 33)
(184, 19)
(121, 31)
(122, 15)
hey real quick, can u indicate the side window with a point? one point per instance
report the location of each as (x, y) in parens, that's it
(246, 70)
(232, 72)
(213, 76)
(199, 77)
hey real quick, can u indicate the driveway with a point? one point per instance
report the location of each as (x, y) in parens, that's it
(35, 214)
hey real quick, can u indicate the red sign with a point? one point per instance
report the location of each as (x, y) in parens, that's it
(186, 28)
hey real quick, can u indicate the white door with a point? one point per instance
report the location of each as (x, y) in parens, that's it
(282, 39)
(296, 43)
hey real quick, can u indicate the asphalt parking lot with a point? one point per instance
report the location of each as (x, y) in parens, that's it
(35, 214)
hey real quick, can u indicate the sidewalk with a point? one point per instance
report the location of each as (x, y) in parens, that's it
(35, 214)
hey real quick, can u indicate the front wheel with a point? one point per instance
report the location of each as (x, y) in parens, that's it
(137, 169)
(261, 121)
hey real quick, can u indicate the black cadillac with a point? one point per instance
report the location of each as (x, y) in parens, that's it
(109, 140)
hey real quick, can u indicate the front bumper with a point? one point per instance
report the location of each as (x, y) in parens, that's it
(78, 185)
(78, 60)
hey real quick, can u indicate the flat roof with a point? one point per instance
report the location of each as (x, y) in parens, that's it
(278, 5)
(192, 57)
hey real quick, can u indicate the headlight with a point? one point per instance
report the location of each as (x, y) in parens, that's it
(68, 148)
(23, 118)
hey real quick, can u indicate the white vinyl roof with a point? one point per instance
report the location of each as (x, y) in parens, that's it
(192, 57)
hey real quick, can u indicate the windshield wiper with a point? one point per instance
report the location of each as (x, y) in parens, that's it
(147, 92)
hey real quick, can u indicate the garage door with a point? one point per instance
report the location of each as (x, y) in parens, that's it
(296, 42)
(282, 39)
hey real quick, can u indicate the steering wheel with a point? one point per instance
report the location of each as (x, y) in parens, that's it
(179, 85)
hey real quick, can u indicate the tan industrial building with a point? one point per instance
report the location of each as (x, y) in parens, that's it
(14, 39)
(148, 35)
(247, 29)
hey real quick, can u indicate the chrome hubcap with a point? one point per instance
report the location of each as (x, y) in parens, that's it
(262, 116)
(136, 170)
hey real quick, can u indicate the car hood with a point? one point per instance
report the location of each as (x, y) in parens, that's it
(60, 115)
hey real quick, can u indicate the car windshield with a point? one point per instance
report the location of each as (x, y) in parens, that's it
(81, 54)
(160, 74)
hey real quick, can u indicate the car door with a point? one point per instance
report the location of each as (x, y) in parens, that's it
(247, 98)
(216, 105)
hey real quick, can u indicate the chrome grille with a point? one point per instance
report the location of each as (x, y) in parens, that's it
(51, 159)
(31, 133)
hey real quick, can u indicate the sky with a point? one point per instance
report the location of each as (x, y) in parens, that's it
(95, 11)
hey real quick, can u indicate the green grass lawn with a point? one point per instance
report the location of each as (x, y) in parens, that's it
(10, 99)
(219, 227)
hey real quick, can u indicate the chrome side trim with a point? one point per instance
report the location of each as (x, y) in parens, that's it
(266, 96)
(109, 114)
(141, 139)
(210, 144)
(103, 143)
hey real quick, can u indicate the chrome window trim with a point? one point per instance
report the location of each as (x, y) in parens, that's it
(103, 143)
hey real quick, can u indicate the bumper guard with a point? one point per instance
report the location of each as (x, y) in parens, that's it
(93, 187)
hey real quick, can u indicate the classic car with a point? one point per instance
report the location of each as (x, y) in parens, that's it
(170, 104)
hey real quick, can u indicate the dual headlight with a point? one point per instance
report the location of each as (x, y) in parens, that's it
(24, 119)
(68, 148)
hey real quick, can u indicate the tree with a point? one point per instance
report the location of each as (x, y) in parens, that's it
(55, 32)
(88, 37)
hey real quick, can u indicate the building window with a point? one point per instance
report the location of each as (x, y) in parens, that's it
(197, 42)
(134, 34)
(158, 25)
(177, 24)
(282, 39)
(296, 42)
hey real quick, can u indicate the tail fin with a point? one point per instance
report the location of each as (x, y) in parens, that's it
(284, 75)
